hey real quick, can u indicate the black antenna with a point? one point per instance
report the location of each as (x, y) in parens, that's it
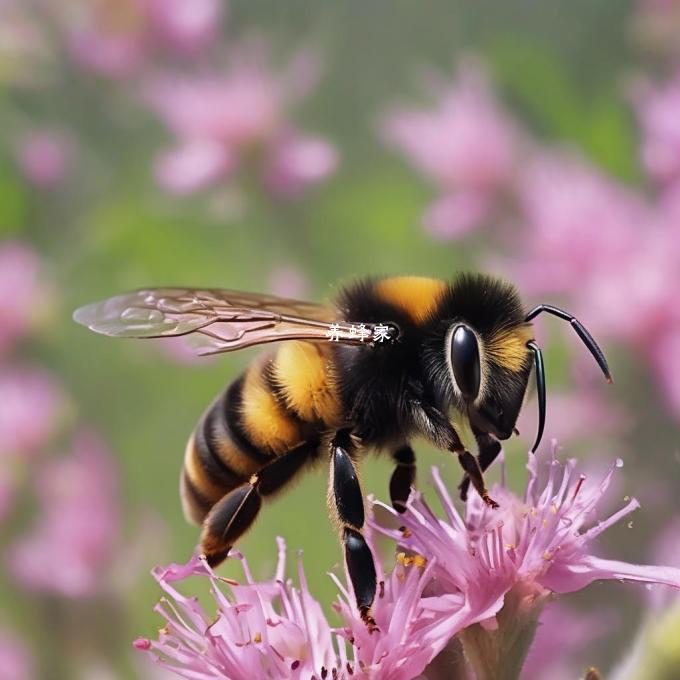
(581, 331)
(540, 389)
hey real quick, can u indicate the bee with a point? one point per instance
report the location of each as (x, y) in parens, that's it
(391, 359)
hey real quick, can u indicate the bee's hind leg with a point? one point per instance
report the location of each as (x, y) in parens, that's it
(489, 448)
(403, 476)
(346, 503)
(235, 512)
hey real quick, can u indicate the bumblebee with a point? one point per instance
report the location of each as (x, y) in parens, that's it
(391, 359)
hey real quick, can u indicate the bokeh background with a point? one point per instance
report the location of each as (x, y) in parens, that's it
(284, 147)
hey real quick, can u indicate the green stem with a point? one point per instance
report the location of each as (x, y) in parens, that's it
(499, 653)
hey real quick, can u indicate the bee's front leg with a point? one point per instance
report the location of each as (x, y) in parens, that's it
(346, 503)
(436, 426)
(489, 448)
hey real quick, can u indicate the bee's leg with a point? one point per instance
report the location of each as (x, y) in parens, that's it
(489, 448)
(347, 504)
(403, 477)
(235, 513)
(473, 471)
(436, 426)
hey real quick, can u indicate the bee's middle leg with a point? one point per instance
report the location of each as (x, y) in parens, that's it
(403, 477)
(235, 512)
(347, 504)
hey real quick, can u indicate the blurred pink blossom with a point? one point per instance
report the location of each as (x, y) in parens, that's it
(193, 166)
(298, 162)
(222, 121)
(15, 661)
(633, 298)
(107, 53)
(45, 157)
(656, 25)
(666, 548)
(7, 487)
(466, 145)
(584, 412)
(21, 295)
(577, 222)
(665, 359)
(289, 282)
(179, 351)
(75, 535)
(184, 26)
(115, 38)
(658, 107)
(577, 632)
(456, 215)
(30, 400)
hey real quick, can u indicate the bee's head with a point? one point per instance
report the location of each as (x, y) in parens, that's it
(489, 352)
(489, 374)
(486, 363)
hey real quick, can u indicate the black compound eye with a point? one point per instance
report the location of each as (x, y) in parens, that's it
(465, 361)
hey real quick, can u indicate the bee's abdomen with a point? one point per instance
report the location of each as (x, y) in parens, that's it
(304, 378)
(245, 428)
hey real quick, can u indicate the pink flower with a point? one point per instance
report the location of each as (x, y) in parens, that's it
(264, 630)
(7, 486)
(656, 24)
(179, 351)
(505, 564)
(30, 401)
(632, 298)
(466, 145)
(577, 632)
(573, 216)
(658, 108)
(222, 121)
(45, 157)
(21, 295)
(289, 282)
(412, 623)
(274, 630)
(538, 538)
(193, 166)
(77, 526)
(184, 26)
(665, 548)
(665, 359)
(112, 54)
(582, 413)
(456, 215)
(298, 162)
(116, 38)
(15, 661)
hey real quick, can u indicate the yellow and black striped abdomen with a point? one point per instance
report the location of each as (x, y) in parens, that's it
(304, 377)
(280, 401)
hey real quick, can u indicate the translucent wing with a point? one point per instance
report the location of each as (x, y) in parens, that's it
(216, 320)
